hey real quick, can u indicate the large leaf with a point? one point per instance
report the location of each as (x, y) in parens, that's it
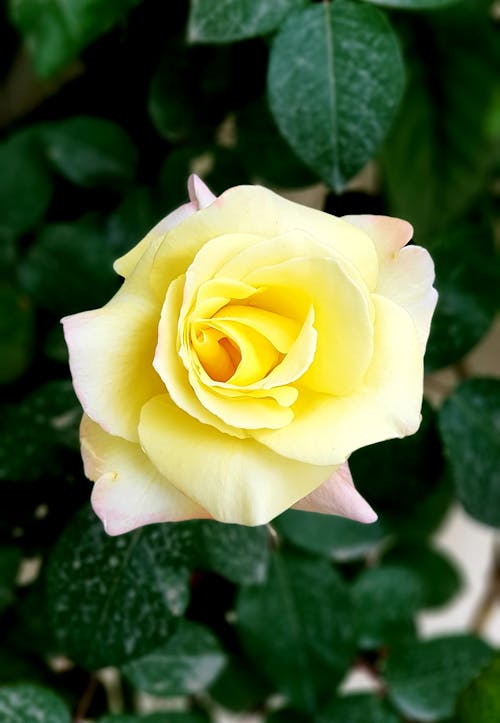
(186, 664)
(298, 627)
(425, 679)
(358, 708)
(91, 151)
(230, 20)
(56, 32)
(470, 427)
(25, 703)
(25, 183)
(438, 153)
(115, 598)
(334, 84)
(480, 701)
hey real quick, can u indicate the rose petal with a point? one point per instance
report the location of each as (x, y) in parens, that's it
(338, 496)
(236, 480)
(129, 492)
(199, 193)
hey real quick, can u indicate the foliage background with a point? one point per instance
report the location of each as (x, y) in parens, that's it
(105, 107)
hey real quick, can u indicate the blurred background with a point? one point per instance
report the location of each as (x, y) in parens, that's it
(106, 106)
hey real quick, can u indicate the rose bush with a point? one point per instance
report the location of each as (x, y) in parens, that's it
(253, 346)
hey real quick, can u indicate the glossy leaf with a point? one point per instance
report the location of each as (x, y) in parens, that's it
(25, 703)
(327, 60)
(470, 427)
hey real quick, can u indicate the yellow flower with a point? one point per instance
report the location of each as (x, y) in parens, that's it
(254, 344)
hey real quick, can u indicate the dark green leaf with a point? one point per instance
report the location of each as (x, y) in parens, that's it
(359, 708)
(480, 701)
(327, 60)
(298, 627)
(25, 703)
(16, 333)
(181, 717)
(287, 716)
(55, 347)
(425, 679)
(131, 221)
(91, 151)
(414, 4)
(266, 156)
(187, 663)
(470, 426)
(230, 20)
(467, 280)
(438, 154)
(10, 559)
(45, 419)
(439, 577)
(239, 687)
(239, 553)
(115, 598)
(69, 268)
(386, 600)
(171, 102)
(25, 183)
(333, 537)
(425, 517)
(55, 32)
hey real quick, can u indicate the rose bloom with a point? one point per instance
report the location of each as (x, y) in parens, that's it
(254, 344)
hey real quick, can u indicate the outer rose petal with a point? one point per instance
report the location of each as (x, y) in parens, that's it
(199, 192)
(236, 480)
(326, 429)
(338, 496)
(406, 275)
(129, 492)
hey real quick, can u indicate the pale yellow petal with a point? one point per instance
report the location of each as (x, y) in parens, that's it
(235, 480)
(327, 429)
(129, 491)
(111, 360)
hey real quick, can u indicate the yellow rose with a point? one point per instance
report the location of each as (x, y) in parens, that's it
(254, 344)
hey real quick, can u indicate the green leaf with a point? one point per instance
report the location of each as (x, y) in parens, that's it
(91, 152)
(239, 687)
(131, 221)
(467, 278)
(25, 703)
(238, 553)
(16, 333)
(171, 103)
(414, 4)
(386, 599)
(230, 20)
(69, 268)
(326, 61)
(298, 627)
(470, 428)
(358, 708)
(10, 559)
(333, 537)
(186, 664)
(480, 701)
(425, 679)
(266, 156)
(56, 32)
(55, 347)
(287, 716)
(439, 577)
(47, 418)
(25, 183)
(181, 717)
(439, 143)
(115, 598)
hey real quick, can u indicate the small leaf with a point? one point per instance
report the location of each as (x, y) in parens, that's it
(386, 600)
(186, 664)
(16, 333)
(333, 537)
(326, 61)
(480, 701)
(303, 643)
(25, 183)
(55, 32)
(230, 20)
(358, 708)
(425, 679)
(115, 598)
(25, 703)
(91, 151)
(470, 428)
(69, 268)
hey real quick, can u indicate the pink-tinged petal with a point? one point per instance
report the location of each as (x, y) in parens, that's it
(199, 193)
(338, 496)
(128, 491)
(387, 233)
